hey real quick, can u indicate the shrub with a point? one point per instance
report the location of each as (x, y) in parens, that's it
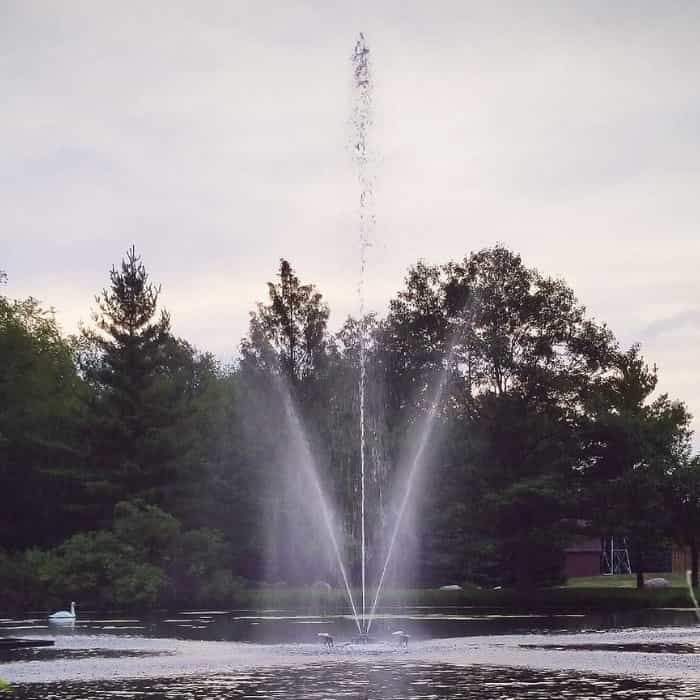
(139, 585)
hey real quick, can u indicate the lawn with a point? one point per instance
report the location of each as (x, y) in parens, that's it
(622, 581)
(589, 594)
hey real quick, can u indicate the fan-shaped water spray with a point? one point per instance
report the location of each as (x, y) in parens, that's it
(306, 459)
(361, 123)
(417, 462)
(364, 616)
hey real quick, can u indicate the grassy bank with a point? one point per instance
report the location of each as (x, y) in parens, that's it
(623, 581)
(578, 595)
(595, 594)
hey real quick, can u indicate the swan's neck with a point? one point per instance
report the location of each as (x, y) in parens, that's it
(72, 609)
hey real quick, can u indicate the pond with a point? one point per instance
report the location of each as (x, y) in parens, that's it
(452, 653)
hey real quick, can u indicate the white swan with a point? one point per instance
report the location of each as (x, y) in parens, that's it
(64, 615)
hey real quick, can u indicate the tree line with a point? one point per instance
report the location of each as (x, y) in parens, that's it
(139, 470)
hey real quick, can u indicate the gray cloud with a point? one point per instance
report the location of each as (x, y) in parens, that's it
(688, 320)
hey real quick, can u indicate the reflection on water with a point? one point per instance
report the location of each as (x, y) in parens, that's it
(283, 626)
(647, 648)
(57, 653)
(378, 681)
(277, 654)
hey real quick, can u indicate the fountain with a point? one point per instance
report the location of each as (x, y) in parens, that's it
(311, 473)
(364, 614)
(426, 431)
(361, 122)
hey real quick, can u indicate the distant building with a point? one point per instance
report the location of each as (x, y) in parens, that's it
(592, 556)
(583, 557)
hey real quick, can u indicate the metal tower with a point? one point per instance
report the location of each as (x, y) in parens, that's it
(616, 557)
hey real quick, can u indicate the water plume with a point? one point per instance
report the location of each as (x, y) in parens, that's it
(427, 429)
(310, 471)
(361, 121)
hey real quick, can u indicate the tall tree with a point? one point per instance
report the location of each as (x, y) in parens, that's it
(288, 341)
(143, 379)
(633, 444)
(40, 418)
(684, 506)
(293, 324)
(520, 353)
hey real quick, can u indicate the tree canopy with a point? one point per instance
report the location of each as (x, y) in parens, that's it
(161, 475)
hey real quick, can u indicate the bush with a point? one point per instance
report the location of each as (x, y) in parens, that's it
(83, 567)
(139, 585)
(221, 588)
(96, 568)
(146, 528)
(200, 568)
(144, 561)
(17, 583)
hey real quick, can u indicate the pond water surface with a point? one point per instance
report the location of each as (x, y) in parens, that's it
(452, 653)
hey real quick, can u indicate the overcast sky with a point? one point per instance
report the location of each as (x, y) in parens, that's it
(214, 136)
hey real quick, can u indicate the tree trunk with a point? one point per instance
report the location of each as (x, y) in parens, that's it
(524, 580)
(694, 563)
(638, 562)
(639, 568)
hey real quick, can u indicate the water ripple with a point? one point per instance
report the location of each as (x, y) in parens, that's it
(379, 681)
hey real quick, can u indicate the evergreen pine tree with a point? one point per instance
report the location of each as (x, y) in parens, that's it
(140, 407)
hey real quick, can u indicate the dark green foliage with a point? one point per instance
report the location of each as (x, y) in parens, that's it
(135, 440)
(40, 422)
(144, 560)
(152, 398)
(633, 446)
(290, 331)
(683, 501)
(137, 471)
(286, 354)
(124, 567)
(139, 585)
(202, 568)
(85, 567)
(17, 580)
(232, 494)
(520, 354)
(147, 529)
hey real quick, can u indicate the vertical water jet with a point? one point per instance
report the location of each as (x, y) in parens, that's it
(361, 120)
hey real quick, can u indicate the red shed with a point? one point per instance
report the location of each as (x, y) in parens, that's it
(582, 557)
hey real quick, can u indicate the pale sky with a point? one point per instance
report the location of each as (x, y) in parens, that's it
(213, 135)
